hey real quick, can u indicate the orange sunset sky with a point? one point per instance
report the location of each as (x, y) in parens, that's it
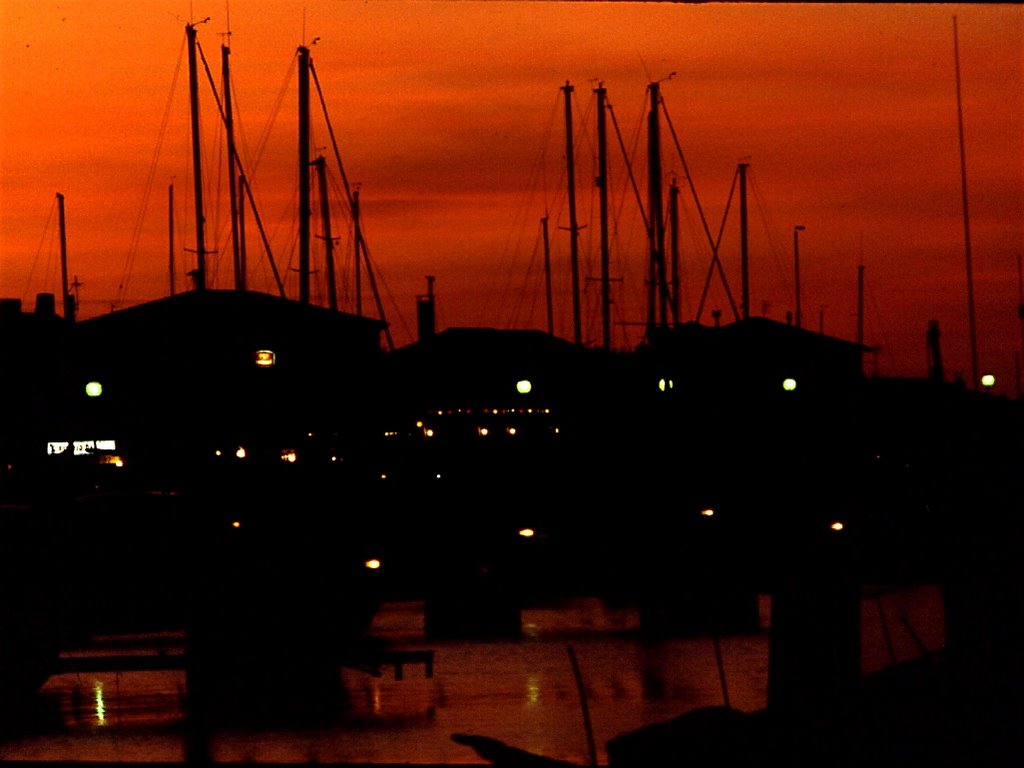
(449, 116)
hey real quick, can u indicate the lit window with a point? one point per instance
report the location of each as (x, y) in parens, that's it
(265, 358)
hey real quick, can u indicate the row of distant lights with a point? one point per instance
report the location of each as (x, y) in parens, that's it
(788, 384)
(493, 411)
(835, 526)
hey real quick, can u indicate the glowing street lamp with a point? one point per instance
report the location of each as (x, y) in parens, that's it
(988, 381)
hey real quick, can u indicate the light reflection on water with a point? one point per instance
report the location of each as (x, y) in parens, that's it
(522, 693)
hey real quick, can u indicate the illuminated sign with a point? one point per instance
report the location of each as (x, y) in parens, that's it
(79, 447)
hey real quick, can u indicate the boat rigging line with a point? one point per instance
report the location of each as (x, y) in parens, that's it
(353, 208)
(242, 176)
(712, 243)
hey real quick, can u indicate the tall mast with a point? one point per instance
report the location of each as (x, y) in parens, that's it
(547, 276)
(229, 129)
(304, 205)
(602, 185)
(66, 297)
(573, 228)
(193, 88)
(967, 226)
(325, 215)
(744, 254)
(658, 288)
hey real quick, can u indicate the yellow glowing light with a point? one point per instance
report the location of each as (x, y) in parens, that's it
(526, 532)
(240, 453)
(217, 452)
(117, 461)
(988, 380)
(101, 708)
(836, 526)
(236, 523)
(265, 358)
(289, 455)
(665, 384)
(511, 430)
(707, 512)
(789, 384)
(373, 564)
(428, 432)
(523, 386)
(482, 431)
(383, 476)
(93, 389)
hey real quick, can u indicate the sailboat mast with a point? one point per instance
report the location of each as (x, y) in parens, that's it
(325, 215)
(967, 226)
(305, 211)
(66, 297)
(602, 185)
(573, 228)
(229, 129)
(658, 290)
(193, 89)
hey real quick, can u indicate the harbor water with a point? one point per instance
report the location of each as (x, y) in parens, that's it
(582, 673)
